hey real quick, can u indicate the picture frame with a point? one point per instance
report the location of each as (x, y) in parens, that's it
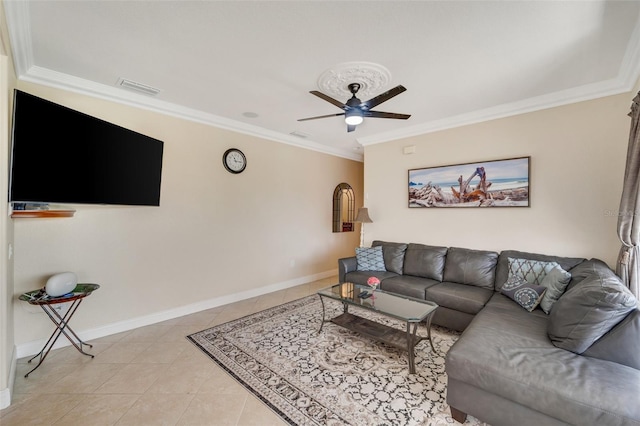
(494, 183)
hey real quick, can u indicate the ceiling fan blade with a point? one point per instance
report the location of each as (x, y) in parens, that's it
(328, 99)
(350, 127)
(371, 103)
(380, 114)
(321, 116)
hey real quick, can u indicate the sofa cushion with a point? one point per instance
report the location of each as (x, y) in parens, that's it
(522, 292)
(471, 267)
(370, 259)
(555, 282)
(408, 285)
(614, 346)
(583, 270)
(589, 310)
(361, 277)
(505, 351)
(502, 270)
(425, 261)
(460, 297)
(393, 255)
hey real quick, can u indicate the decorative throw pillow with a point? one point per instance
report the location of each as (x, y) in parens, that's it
(526, 295)
(370, 259)
(589, 310)
(533, 271)
(584, 269)
(556, 282)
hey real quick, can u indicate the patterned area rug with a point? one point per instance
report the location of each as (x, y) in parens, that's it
(335, 377)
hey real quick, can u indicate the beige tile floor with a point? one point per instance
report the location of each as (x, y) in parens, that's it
(147, 376)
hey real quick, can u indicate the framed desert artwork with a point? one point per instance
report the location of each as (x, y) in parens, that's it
(496, 183)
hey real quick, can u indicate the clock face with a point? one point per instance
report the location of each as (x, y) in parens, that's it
(234, 160)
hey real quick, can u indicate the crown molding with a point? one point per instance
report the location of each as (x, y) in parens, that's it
(18, 24)
(20, 34)
(70, 83)
(630, 68)
(565, 97)
(627, 78)
(19, 31)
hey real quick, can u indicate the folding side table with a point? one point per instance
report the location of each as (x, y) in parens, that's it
(47, 303)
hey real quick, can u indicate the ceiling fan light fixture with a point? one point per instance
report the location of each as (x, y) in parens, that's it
(355, 110)
(353, 117)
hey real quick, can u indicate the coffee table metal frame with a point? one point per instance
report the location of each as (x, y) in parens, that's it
(408, 309)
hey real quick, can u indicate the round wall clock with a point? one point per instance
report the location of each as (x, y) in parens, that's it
(234, 160)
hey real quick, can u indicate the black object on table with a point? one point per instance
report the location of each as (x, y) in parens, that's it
(46, 302)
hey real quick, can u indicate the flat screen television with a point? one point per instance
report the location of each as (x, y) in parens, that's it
(59, 155)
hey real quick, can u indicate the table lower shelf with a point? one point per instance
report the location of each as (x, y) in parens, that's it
(377, 331)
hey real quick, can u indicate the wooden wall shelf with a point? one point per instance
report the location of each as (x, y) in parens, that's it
(41, 213)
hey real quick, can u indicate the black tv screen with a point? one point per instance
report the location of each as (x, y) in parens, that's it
(60, 155)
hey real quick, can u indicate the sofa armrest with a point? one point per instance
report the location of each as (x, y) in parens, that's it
(346, 264)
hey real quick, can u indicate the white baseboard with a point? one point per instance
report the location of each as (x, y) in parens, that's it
(33, 347)
(5, 398)
(5, 394)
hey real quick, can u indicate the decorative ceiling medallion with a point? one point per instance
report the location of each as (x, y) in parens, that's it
(371, 77)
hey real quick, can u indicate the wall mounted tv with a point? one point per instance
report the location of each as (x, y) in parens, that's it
(60, 155)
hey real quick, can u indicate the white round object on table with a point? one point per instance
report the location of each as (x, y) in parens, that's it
(61, 284)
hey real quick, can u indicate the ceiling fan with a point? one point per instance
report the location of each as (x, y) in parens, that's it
(355, 110)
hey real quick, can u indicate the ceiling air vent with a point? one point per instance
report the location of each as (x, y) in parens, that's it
(138, 87)
(299, 134)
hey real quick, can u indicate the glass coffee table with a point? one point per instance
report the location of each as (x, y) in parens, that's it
(410, 310)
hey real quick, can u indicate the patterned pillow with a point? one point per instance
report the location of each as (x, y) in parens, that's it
(370, 259)
(533, 271)
(526, 295)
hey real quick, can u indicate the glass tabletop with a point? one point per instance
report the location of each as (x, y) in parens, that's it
(395, 305)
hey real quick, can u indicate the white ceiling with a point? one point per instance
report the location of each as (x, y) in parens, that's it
(214, 61)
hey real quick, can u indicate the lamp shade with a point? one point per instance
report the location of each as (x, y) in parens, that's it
(363, 215)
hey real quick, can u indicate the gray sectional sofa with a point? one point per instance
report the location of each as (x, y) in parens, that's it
(578, 363)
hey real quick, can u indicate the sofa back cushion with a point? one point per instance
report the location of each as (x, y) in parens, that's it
(583, 270)
(425, 261)
(589, 310)
(502, 271)
(393, 254)
(471, 267)
(620, 345)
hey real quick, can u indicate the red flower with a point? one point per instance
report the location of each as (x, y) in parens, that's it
(373, 281)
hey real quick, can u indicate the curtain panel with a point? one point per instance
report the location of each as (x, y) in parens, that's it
(628, 217)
